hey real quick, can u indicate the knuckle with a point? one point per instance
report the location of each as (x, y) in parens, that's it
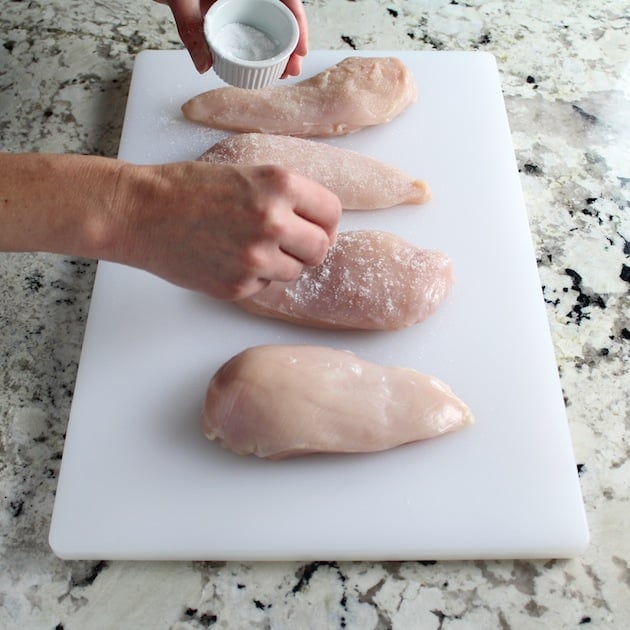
(274, 226)
(270, 220)
(277, 176)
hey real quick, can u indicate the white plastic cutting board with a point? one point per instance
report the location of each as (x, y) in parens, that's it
(139, 480)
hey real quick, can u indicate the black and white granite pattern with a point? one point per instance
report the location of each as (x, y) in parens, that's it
(565, 67)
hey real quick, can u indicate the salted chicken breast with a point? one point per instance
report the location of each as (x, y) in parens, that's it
(369, 280)
(355, 93)
(361, 182)
(280, 401)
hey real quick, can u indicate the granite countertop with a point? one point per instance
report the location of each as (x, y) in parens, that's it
(565, 68)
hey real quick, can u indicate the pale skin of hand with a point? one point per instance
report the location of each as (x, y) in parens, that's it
(222, 230)
(189, 14)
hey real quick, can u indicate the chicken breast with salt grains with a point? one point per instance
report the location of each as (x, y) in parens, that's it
(360, 182)
(369, 280)
(281, 401)
(358, 92)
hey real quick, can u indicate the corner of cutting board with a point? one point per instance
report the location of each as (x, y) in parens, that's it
(58, 548)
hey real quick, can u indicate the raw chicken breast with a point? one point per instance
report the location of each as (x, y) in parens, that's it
(355, 93)
(360, 182)
(369, 280)
(280, 401)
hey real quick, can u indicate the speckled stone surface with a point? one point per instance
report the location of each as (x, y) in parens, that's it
(565, 67)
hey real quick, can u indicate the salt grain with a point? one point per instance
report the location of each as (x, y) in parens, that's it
(245, 42)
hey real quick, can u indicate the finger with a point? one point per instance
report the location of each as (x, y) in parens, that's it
(189, 16)
(281, 267)
(287, 243)
(294, 65)
(318, 205)
(297, 8)
(308, 244)
(284, 268)
(303, 198)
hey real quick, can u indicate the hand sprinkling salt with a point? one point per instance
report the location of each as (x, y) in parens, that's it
(245, 42)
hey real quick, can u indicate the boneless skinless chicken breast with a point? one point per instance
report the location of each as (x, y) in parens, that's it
(281, 401)
(361, 182)
(369, 280)
(357, 92)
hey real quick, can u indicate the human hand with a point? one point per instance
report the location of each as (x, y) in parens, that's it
(189, 15)
(224, 230)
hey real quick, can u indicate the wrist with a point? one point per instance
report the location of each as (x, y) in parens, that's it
(59, 203)
(105, 226)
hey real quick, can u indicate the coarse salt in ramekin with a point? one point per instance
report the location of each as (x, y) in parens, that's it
(250, 40)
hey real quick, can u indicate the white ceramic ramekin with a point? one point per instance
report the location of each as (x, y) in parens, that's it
(270, 17)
